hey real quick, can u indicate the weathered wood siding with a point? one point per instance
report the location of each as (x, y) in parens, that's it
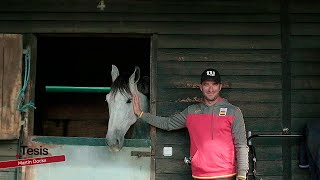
(243, 39)
(10, 85)
(8, 151)
(304, 59)
(246, 50)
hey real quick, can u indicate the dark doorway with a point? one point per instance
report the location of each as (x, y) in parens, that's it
(81, 60)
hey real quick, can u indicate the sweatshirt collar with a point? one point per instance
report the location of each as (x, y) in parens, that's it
(219, 102)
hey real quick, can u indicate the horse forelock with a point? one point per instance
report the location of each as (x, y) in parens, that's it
(121, 85)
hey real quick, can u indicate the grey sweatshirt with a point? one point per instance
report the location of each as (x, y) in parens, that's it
(178, 121)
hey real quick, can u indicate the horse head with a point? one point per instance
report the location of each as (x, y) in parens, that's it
(121, 115)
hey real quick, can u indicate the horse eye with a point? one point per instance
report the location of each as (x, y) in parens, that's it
(129, 101)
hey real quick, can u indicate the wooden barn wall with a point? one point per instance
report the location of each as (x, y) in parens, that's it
(304, 61)
(244, 43)
(8, 151)
(248, 41)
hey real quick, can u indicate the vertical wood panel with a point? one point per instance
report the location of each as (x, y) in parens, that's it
(286, 85)
(153, 105)
(1, 74)
(305, 81)
(11, 83)
(30, 42)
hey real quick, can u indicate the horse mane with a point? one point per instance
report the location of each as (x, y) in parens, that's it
(121, 84)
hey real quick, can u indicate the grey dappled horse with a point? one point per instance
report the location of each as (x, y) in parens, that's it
(121, 115)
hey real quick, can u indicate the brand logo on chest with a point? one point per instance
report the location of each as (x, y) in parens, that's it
(223, 111)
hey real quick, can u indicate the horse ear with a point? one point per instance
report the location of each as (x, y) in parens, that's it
(136, 74)
(134, 78)
(114, 73)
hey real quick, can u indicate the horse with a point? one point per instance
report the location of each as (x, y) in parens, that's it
(121, 115)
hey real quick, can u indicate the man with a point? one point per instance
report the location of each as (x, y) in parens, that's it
(218, 146)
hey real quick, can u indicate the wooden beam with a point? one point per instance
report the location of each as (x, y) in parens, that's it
(11, 71)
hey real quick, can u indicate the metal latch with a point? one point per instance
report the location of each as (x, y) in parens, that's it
(140, 153)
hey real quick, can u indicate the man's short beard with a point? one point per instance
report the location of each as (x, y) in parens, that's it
(215, 98)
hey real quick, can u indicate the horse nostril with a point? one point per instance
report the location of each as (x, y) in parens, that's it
(118, 141)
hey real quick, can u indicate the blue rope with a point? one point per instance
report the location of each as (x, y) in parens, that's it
(24, 107)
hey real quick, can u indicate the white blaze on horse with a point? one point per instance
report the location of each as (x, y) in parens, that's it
(121, 115)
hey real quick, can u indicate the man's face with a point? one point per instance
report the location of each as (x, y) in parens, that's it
(210, 90)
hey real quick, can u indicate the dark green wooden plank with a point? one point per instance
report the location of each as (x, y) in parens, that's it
(8, 148)
(228, 42)
(226, 68)
(306, 96)
(286, 83)
(248, 109)
(194, 95)
(216, 55)
(305, 28)
(299, 176)
(305, 110)
(305, 82)
(268, 141)
(258, 96)
(310, 18)
(140, 17)
(180, 137)
(299, 6)
(268, 153)
(305, 68)
(179, 151)
(72, 27)
(263, 124)
(172, 166)
(297, 124)
(142, 6)
(186, 28)
(216, 28)
(172, 176)
(8, 170)
(265, 177)
(305, 55)
(268, 110)
(305, 41)
(269, 168)
(7, 175)
(7, 158)
(88, 141)
(234, 82)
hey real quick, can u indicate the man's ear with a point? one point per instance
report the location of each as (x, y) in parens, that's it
(200, 87)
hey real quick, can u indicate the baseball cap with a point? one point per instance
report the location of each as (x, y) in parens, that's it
(211, 74)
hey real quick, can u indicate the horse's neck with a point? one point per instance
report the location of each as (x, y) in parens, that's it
(144, 102)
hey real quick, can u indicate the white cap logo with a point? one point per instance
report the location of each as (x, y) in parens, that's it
(211, 73)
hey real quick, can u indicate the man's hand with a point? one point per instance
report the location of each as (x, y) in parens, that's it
(136, 105)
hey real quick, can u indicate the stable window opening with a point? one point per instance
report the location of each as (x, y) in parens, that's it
(81, 60)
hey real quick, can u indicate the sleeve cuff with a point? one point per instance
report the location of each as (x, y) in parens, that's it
(242, 175)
